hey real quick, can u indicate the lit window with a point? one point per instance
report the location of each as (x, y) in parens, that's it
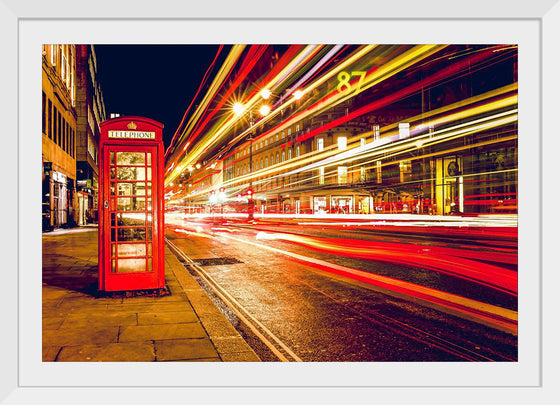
(283, 155)
(262, 165)
(289, 153)
(297, 127)
(404, 130)
(375, 132)
(297, 151)
(271, 160)
(320, 144)
(277, 158)
(342, 174)
(289, 131)
(266, 142)
(321, 175)
(362, 141)
(341, 142)
(266, 162)
(277, 136)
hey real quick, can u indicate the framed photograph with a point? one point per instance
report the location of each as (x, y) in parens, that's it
(416, 139)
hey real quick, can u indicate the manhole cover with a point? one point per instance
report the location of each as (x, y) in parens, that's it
(216, 261)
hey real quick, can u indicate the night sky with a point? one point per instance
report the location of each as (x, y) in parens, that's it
(154, 81)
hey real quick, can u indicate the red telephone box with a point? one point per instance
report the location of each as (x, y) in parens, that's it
(131, 245)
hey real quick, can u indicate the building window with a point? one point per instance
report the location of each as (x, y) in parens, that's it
(59, 128)
(53, 54)
(277, 137)
(405, 168)
(320, 144)
(289, 153)
(283, 155)
(375, 132)
(321, 175)
(277, 157)
(55, 125)
(404, 130)
(378, 172)
(44, 113)
(266, 161)
(63, 134)
(289, 131)
(342, 174)
(342, 142)
(297, 151)
(266, 142)
(297, 127)
(49, 119)
(362, 141)
(362, 174)
(64, 64)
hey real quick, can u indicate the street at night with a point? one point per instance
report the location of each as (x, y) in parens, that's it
(294, 203)
(316, 302)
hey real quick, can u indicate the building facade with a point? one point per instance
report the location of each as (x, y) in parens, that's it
(59, 121)
(448, 149)
(376, 134)
(90, 109)
(72, 108)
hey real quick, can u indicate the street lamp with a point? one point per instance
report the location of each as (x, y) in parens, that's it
(264, 110)
(250, 201)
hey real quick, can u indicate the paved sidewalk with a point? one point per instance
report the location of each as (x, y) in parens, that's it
(78, 325)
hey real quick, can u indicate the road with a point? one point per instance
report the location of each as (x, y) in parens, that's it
(333, 292)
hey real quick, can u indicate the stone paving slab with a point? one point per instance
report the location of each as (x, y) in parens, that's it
(153, 307)
(81, 335)
(240, 357)
(161, 332)
(50, 352)
(185, 349)
(130, 351)
(156, 318)
(80, 325)
(99, 318)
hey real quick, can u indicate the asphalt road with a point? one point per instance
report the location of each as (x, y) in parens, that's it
(321, 315)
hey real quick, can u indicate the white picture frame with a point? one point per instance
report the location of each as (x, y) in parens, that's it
(21, 193)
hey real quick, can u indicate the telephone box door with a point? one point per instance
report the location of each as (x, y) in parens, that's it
(130, 220)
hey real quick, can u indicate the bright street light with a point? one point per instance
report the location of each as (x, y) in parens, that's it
(264, 110)
(298, 94)
(238, 108)
(265, 93)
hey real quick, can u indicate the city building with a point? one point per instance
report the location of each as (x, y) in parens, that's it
(90, 113)
(438, 136)
(59, 121)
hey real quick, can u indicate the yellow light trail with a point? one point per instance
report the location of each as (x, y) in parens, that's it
(409, 143)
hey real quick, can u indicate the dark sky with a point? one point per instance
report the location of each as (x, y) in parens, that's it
(154, 81)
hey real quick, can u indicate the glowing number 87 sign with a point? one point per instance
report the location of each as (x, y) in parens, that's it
(344, 81)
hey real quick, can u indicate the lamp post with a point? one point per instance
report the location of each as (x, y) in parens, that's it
(250, 201)
(239, 109)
